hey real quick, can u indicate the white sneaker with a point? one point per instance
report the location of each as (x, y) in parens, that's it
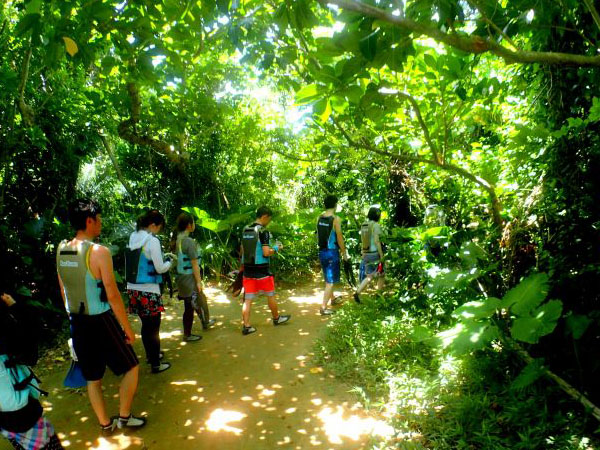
(131, 422)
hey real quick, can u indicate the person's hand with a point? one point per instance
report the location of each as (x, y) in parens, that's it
(279, 246)
(129, 336)
(170, 256)
(200, 286)
(7, 299)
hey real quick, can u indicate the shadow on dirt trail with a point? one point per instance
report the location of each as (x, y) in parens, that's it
(228, 391)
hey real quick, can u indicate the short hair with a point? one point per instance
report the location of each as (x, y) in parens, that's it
(152, 216)
(183, 220)
(263, 211)
(330, 201)
(374, 213)
(82, 209)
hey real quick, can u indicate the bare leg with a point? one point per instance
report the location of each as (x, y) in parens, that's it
(380, 282)
(246, 312)
(97, 400)
(273, 306)
(327, 294)
(127, 391)
(364, 283)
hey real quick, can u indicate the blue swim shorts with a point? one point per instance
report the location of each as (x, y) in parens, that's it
(330, 262)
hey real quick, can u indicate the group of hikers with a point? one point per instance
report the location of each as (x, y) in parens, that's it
(101, 333)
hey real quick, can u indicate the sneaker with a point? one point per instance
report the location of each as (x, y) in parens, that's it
(326, 311)
(356, 297)
(161, 355)
(161, 368)
(337, 301)
(209, 324)
(192, 338)
(281, 319)
(131, 422)
(248, 330)
(108, 430)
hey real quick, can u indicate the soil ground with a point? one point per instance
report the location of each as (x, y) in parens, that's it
(227, 391)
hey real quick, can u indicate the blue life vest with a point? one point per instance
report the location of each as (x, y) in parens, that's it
(184, 265)
(326, 233)
(146, 270)
(253, 253)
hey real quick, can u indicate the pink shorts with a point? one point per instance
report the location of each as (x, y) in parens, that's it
(254, 287)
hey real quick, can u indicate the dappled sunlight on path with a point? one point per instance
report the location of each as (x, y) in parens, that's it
(228, 390)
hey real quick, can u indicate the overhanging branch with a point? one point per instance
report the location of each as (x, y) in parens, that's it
(128, 130)
(472, 44)
(489, 188)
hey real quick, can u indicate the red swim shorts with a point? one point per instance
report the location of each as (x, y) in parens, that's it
(254, 287)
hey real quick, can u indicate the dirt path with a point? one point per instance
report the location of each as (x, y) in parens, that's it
(228, 391)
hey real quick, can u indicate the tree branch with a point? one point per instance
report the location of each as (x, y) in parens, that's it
(111, 154)
(593, 11)
(563, 384)
(417, 110)
(492, 24)
(473, 44)
(26, 110)
(489, 188)
(128, 130)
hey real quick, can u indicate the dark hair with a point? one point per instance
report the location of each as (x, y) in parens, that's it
(82, 209)
(152, 216)
(330, 201)
(374, 213)
(264, 211)
(183, 220)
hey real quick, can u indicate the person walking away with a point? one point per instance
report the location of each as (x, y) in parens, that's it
(144, 292)
(256, 253)
(331, 242)
(371, 265)
(21, 415)
(101, 333)
(189, 280)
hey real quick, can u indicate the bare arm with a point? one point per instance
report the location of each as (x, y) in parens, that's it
(378, 242)
(337, 225)
(196, 272)
(105, 266)
(267, 251)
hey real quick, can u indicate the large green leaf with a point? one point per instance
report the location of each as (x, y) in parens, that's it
(478, 309)
(577, 325)
(542, 322)
(307, 94)
(468, 336)
(528, 375)
(527, 295)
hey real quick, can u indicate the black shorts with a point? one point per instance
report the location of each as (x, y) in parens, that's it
(99, 341)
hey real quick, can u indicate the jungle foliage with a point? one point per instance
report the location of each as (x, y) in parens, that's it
(482, 111)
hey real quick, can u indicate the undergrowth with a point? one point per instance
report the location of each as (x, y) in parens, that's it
(436, 401)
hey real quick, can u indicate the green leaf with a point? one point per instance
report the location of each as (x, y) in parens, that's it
(477, 309)
(468, 336)
(594, 110)
(527, 295)
(525, 329)
(307, 94)
(27, 22)
(531, 329)
(430, 61)
(24, 291)
(323, 109)
(577, 325)
(548, 315)
(528, 375)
